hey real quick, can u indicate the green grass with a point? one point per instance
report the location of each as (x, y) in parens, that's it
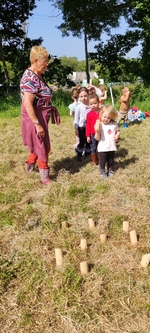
(37, 296)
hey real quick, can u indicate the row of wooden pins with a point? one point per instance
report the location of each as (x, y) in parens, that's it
(84, 266)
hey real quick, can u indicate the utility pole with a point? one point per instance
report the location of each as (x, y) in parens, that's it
(86, 53)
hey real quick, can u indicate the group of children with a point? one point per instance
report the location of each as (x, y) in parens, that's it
(95, 124)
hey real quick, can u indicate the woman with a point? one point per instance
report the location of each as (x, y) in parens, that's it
(36, 110)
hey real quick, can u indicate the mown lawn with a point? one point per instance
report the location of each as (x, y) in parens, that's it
(37, 296)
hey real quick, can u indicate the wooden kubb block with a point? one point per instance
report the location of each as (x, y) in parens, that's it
(145, 260)
(91, 223)
(133, 237)
(84, 267)
(83, 244)
(59, 257)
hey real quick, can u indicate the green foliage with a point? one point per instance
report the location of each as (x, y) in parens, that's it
(10, 106)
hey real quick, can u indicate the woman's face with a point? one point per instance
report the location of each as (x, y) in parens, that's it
(42, 64)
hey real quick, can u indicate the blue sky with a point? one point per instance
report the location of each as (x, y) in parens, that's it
(44, 24)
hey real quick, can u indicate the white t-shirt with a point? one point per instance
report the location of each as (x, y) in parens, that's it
(80, 115)
(107, 137)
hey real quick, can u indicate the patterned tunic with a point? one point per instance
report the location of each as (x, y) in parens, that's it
(32, 84)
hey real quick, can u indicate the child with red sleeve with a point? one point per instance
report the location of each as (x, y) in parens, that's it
(92, 116)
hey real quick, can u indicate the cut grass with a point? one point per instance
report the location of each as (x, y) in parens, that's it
(36, 296)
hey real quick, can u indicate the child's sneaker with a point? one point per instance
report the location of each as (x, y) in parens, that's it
(110, 172)
(103, 173)
(125, 125)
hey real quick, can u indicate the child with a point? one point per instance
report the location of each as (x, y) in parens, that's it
(80, 122)
(92, 116)
(103, 97)
(107, 133)
(72, 108)
(124, 106)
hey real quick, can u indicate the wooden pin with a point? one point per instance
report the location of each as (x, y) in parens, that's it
(91, 223)
(59, 257)
(103, 238)
(133, 237)
(83, 244)
(64, 224)
(84, 267)
(145, 260)
(125, 226)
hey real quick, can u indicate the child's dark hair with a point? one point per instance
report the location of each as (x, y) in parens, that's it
(83, 89)
(94, 96)
(75, 91)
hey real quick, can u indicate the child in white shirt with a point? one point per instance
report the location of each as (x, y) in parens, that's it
(80, 123)
(107, 134)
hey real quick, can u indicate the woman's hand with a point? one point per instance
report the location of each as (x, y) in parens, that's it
(40, 131)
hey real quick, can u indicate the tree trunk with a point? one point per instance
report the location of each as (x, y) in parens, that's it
(4, 65)
(86, 54)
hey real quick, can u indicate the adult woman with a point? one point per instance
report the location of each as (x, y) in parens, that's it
(36, 110)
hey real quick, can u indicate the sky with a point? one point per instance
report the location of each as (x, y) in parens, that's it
(44, 24)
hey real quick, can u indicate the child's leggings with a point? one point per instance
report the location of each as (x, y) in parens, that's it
(107, 157)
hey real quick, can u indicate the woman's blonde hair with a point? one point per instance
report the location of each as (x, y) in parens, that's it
(111, 111)
(38, 52)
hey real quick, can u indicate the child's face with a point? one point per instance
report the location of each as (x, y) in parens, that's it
(84, 97)
(105, 118)
(125, 91)
(74, 96)
(94, 104)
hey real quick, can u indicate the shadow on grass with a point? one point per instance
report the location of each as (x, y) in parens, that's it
(122, 153)
(70, 164)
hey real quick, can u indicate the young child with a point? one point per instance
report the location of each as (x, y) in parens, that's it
(80, 122)
(107, 133)
(92, 116)
(103, 97)
(124, 106)
(72, 108)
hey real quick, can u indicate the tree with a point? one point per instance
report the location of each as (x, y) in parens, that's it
(58, 73)
(12, 16)
(111, 55)
(91, 18)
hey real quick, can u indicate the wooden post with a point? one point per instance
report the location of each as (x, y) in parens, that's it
(84, 267)
(126, 226)
(103, 238)
(145, 260)
(91, 223)
(64, 224)
(133, 237)
(59, 257)
(83, 244)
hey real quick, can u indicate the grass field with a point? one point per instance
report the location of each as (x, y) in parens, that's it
(37, 296)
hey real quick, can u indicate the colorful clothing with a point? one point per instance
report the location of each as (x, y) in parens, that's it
(73, 107)
(32, 84)
(92, 116)
(80, 123)
(80, 115)
(107, 137)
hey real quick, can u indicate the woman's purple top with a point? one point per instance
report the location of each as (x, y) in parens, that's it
(32, 84)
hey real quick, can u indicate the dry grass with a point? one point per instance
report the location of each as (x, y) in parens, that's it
(36, 297)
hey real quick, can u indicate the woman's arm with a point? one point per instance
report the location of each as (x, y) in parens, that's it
(28, 103)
